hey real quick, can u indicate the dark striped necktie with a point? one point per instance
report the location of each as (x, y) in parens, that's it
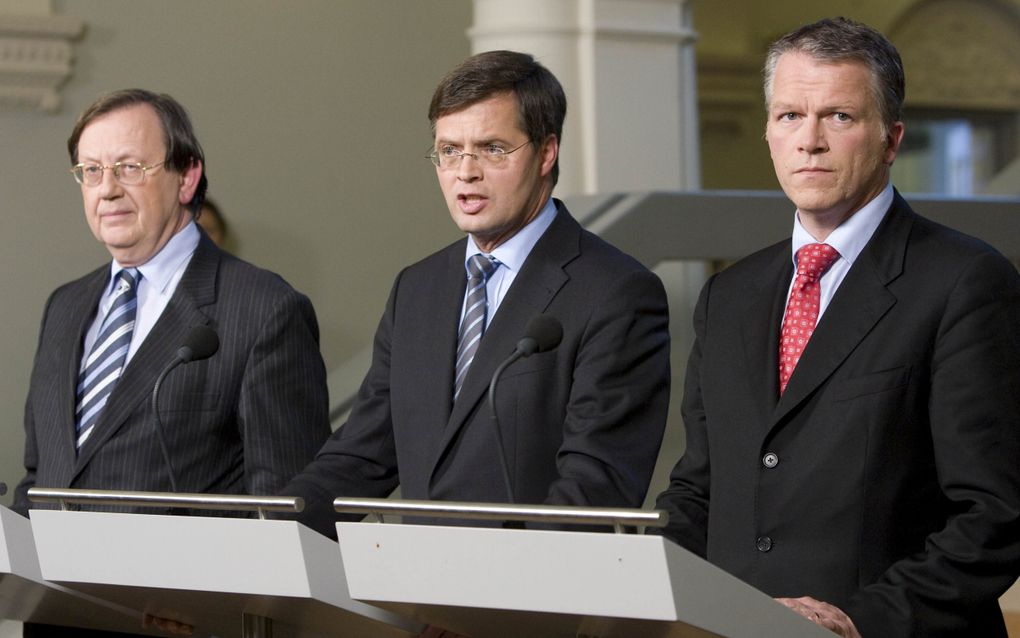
(103, 367)
(479, 269)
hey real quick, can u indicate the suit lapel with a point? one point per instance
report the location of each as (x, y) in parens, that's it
(436, 349)
(861, 300)
(197, 288)
(760, 326)
(533, 290)
(83, 307)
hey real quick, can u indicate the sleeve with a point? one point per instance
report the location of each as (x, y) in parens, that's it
(360, 458)
(619, 398)
(283, 405)
(951, 588)
(31, 456)
(686, 499)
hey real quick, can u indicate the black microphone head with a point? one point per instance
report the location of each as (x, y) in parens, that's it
(543, 333)
(201, 343)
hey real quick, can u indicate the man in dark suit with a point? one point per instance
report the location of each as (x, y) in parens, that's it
(242, 421)
(582, 423)
(870, 478)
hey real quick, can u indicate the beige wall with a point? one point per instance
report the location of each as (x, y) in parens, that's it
(313, 119)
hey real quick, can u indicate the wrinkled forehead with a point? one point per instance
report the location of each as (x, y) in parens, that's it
(494, 118)
(798, 74)
(134, 128)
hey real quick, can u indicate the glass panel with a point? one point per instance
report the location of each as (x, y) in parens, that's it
(955, 154)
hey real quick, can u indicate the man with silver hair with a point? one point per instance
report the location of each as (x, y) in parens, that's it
(851, 402)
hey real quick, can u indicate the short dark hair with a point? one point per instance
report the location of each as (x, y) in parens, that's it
(843, 40)
(541, 103)
(182, 147)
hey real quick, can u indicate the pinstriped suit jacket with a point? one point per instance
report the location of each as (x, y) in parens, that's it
(243, 421)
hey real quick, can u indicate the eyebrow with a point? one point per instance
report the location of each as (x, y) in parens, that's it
(132, 156)
(785, 107)
(482, 142)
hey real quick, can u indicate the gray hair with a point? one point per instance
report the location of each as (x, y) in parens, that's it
(843, 40)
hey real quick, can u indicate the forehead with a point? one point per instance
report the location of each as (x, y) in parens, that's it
(495, 117)
(131, 129)
(799, 75)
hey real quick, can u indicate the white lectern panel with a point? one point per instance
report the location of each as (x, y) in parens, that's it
(496, 582)
(25, 596)
(208, 571)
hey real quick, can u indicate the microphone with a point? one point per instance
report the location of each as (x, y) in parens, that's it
(201, 343)
(543, 333)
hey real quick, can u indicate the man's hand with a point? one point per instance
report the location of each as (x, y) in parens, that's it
(438, 632)
(167, 625)
(824, 614)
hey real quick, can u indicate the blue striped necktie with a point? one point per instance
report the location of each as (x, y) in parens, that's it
(102, 368)
(479, 269)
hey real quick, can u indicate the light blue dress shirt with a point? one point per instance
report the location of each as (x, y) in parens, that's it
(511, 255)
(160, 276)
(848, 239)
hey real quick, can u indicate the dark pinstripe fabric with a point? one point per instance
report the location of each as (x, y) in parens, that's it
(243, 421)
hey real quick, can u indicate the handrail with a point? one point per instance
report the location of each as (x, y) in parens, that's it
(231, 502)
(619, 518)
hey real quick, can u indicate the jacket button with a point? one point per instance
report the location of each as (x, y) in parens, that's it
(770, 460)
(763, 543)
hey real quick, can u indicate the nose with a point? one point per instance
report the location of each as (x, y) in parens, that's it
(469, 168)
(109, 187)
(811, 136)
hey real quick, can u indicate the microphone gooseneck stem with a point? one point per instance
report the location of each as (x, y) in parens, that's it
(503, 463)
(158, 423)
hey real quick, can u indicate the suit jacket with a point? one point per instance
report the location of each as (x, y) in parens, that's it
(242, 421)
(886, 479)
(582, 423)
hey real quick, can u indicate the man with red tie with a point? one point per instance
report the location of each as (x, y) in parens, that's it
(851, 404)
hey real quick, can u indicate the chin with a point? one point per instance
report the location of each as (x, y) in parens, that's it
(813, 201)
(470, 225)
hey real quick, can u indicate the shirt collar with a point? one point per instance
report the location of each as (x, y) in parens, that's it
(515, 250)
(853, 234)
(160, 269)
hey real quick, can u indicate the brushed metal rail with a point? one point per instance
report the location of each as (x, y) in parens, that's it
(230, 502)
(619, 518)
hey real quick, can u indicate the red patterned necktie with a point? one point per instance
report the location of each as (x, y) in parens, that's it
(802, 308)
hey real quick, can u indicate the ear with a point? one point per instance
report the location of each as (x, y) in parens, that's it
(549, 151)
(893, 139)
(189, 182)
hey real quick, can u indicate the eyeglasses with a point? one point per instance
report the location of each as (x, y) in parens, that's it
(127, 173)
(447, 157)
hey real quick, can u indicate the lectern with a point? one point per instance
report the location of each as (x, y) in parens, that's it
(495, 582)
(223, 576)
(25, 596)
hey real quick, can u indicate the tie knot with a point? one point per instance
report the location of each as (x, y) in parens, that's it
(127, 279)
(480, 267)
(813, 260)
